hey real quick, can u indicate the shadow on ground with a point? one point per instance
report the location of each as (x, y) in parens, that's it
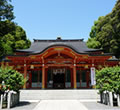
(24, 105)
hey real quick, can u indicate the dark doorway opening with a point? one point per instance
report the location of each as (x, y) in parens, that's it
(59, 81)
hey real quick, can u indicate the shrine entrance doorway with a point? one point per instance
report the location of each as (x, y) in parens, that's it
(59, 78)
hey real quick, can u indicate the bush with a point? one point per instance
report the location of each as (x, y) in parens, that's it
(13, 80)
(108, 79)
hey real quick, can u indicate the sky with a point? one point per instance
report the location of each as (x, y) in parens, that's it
(68, 19)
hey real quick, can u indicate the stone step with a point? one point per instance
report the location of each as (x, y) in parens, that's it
(80, 94)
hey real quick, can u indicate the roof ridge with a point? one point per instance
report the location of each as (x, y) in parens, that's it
(57, 40)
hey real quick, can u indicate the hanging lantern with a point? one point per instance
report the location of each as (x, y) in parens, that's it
(99, 66)
(86, 66)
(18, 67)
(32, 67)
(54, 71)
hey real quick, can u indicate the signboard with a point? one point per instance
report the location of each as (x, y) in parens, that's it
(93, 81)
(59, 49)
(59, 71)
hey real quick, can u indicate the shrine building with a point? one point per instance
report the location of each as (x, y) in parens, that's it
(59, 64)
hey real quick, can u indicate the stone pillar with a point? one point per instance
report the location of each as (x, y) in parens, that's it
(9, 100)
(118, 100)
(25, 75)
(111, 99)
(43, 76)
(74, 76)
(1, 102)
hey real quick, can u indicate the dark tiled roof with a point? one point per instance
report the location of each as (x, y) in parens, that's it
(77, 45)
(105, 54)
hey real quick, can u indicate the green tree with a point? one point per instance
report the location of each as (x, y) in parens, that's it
(12, 37)
(105, 34)
(108, 79)
(6, 10)
(13, 80)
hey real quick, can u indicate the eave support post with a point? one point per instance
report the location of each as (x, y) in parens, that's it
(74, 77)
(25, 75)
(43, 74)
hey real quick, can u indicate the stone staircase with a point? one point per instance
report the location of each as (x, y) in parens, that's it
(81, 94)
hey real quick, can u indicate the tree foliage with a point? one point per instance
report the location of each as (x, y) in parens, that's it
(12, 36)
(105, 34)
(13, 80)
(6, 10)
(108, 79)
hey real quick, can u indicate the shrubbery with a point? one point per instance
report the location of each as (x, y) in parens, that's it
(13, 80)
(108, 79)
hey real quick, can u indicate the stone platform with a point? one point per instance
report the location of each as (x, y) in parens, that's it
(76, 94)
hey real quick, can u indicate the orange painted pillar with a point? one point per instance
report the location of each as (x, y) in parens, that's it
(25, 75)
(43, 76)
(74, 76)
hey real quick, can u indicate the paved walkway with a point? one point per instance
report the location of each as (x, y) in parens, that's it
(24, 105)
(60, 105)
